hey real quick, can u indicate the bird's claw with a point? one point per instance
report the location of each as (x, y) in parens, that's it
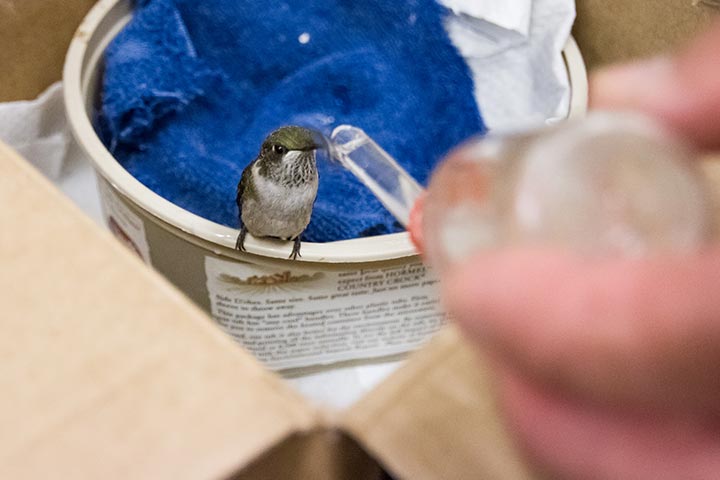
(296, 249)
(240, 242)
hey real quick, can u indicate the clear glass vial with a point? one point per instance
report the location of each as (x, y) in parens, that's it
(607, 184)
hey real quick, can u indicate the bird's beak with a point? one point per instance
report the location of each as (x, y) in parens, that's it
(320, 141)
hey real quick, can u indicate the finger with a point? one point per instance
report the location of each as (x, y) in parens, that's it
(575, 440)
(644, 331)
(682, 91)
(415, 224)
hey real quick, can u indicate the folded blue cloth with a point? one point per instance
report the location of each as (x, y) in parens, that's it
(191, 89)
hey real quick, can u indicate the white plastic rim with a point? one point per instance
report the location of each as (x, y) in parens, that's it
(81, 70)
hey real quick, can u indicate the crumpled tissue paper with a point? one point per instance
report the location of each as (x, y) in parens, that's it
(514, 50)
(38, 130)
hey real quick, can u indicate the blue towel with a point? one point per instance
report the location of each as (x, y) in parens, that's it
(191, 89)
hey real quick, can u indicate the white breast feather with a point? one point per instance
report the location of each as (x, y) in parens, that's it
(279, 211)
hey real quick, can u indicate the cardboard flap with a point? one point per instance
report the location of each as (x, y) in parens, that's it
(34, 38)
(436, 417)
(617, 30)
(106, 370)
(323, 454)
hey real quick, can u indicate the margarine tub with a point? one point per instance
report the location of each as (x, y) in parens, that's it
(346, 300)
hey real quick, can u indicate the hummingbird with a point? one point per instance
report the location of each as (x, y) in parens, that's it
(277, 190)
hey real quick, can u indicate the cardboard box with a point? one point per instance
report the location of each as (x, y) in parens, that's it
(108, 372)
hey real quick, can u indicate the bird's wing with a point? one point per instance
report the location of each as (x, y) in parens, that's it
(244, 179)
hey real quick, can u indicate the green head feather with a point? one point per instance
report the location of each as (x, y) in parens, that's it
(296, 138)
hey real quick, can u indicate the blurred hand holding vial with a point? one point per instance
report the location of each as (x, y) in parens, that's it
(581, 259)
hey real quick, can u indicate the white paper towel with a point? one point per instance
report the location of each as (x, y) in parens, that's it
(513, 15)
(520, 76)
(513, 49)
(38, 130)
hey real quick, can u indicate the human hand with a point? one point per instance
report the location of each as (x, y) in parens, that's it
(608, 367)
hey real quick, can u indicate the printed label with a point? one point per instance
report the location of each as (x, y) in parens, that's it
(125, 225)
(290, 319)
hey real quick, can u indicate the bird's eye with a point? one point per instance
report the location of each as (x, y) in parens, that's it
(279, 149)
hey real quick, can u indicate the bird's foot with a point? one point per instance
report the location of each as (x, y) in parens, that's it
(240, 242)
(296, 249)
